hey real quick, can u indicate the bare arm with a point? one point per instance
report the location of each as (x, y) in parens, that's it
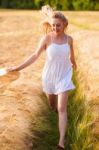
(32, 58)
(72, 57)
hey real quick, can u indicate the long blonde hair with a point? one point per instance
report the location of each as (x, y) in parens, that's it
(48, 14)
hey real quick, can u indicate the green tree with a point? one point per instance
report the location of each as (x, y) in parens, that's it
(4, 3)
(81, 4)
(39, 3)
(58, 4)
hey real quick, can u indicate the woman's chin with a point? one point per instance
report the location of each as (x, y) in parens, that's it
(57, 32)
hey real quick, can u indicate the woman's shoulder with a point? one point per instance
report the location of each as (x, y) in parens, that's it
(69, 39)
(46, 37)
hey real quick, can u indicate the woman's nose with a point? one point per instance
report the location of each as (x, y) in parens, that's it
(55, 28)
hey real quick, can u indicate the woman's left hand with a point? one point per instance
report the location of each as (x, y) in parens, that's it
(74, 66)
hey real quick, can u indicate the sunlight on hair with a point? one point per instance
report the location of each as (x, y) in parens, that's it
(48, 14)
(47, 10)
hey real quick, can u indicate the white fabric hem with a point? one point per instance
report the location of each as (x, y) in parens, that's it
(60, 91)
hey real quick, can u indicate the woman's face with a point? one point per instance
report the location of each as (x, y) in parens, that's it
(57, 26)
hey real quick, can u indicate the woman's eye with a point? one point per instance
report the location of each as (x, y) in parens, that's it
(54, 25)
(57, 25)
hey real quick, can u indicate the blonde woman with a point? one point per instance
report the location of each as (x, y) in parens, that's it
(57, 72)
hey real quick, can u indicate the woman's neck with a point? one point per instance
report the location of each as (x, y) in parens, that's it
(60, 36)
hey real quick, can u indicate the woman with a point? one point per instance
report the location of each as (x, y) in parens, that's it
(57, 72)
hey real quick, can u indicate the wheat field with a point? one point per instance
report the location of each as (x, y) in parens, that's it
(21, 92)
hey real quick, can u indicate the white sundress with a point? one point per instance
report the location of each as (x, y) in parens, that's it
(57, 71)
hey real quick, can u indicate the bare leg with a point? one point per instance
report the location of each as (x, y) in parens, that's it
(62, 110)
(52, 99)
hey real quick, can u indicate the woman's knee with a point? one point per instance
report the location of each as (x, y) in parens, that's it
(62, 102)
(62, 109)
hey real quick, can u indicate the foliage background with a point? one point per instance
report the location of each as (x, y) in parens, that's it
(58, 4)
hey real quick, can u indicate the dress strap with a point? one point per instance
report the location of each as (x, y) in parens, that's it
(67, 39)
(51, 38)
